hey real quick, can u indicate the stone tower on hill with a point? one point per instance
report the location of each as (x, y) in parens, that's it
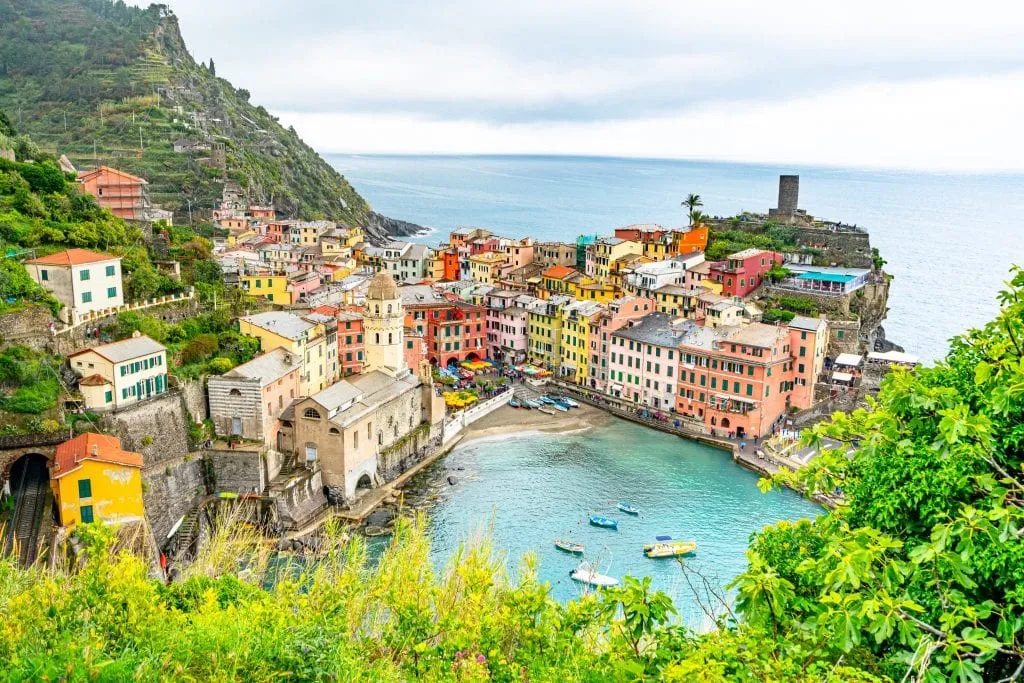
(383, 322)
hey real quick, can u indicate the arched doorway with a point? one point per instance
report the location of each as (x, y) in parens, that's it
(472, 357)
(29, 481)
(364, 483)
(725, 422)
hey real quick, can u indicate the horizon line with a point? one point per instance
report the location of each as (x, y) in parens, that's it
(690, 160)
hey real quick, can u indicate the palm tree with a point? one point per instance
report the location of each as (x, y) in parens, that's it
(692, 202)
(697, 218)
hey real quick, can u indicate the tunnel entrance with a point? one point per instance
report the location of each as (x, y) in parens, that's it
(27, 507)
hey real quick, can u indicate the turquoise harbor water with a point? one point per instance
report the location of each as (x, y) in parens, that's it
(529, 489)
(949, 239)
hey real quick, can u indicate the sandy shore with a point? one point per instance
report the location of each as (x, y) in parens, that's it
(508, 420)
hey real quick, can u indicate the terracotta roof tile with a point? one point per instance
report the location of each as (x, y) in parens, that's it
(558, 272)
(92, 447)
(72, 257)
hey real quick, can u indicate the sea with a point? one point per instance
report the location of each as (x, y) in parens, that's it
(528, 489)
(949, 239)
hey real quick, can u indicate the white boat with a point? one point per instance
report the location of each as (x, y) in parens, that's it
(588, 575)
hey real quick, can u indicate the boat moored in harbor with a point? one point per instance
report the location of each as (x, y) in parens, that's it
(604, 522)
(569, 546)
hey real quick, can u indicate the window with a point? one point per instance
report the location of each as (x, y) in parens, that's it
(311, 413)
(839, 333)
(44, 275)
(85, 488)
(111, 292)
(110, 271)
(803, 351)
(750, 390)
(83, 275)
(108, 396)
(86, 512)
(86, 297)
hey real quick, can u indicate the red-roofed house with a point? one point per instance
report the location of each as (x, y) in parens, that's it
(94, 479)
(84, 281)
(744, 271)
(122, 193)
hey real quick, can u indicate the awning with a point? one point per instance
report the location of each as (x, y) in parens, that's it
(740, 399)
(615, 387)
(893, 357)
(842, 377)
(849, 359)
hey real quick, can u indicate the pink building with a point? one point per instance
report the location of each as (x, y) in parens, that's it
(617, 315)
(519, 254)
(507, 325)
(643, 361)
(415, 348)
(248, 400)
(744, 271)
(302, 285)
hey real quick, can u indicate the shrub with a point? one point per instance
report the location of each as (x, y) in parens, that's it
(199, 349)
(773, 315)
(34, 399)
(218, 366)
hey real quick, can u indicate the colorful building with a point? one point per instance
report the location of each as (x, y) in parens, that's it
(643, 360)
(486, 266)
(308, 337)
(618, 313)
(95, 480)
(559, 280)
(690, 240)
(351, 345)
(121, 373)
(545, 331)
(84, 281)
(744, 271)
(248, 400)
(273, 288)
(606, 250)
(123, 194)
(577, 343)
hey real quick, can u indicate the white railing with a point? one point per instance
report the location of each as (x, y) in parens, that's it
(92, 316)
(454, 425)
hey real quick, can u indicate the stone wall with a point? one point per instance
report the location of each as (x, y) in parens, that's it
(157, 428)
(843, 337)
(169, 490)
(246, 404)
(238, 471)
(834, 306)
(847, 248)
(29, 326)
(417, 446)
(194, 395)
(454, 425)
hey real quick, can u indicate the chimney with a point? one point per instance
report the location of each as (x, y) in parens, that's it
(94, 450)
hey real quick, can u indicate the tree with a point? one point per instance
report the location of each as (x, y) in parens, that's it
(6, 127)
(697, 218)
(919, 571)
(213, 69)
(692, 203)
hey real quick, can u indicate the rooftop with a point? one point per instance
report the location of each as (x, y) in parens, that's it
(266, 368)
(281, 323)
(126, 349)
(659, 329)
(73, 257)
(802, 322)
(747, 253)
(558, 272)
(90, 446)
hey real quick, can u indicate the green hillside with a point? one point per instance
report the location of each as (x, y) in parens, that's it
(105, 83)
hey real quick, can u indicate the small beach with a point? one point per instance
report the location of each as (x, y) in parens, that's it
(507, 420)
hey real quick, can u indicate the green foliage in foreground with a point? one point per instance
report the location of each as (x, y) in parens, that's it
(919, 576)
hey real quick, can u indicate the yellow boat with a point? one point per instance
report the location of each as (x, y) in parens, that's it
(670, 549)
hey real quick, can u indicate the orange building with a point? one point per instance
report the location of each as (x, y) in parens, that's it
(690, 240)
(452, 269)
(124, 194)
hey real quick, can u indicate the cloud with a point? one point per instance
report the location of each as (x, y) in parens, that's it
(603, 75)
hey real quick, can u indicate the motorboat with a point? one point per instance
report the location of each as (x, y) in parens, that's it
(559, 407)
(671, 549)
(604, 522)
(587, 574)
(547, 400)
(629, 509)
(546, 411)
(514, 403)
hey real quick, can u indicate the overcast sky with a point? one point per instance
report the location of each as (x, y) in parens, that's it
(893, 83)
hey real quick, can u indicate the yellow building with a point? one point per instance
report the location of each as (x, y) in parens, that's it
(576, 343)
(544, 333)
(351, 236)
(595, 292)
(485, 267)
(657, 250)
(271, 287)
(94, 480)
(304, 337)
(607, 250)
(676, 301)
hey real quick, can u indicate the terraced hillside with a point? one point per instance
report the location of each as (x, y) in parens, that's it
(106, 83)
